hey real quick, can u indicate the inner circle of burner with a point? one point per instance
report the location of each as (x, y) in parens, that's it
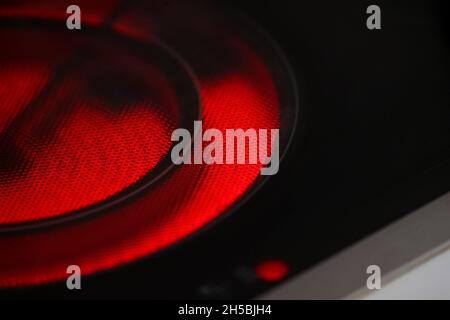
(86, 121)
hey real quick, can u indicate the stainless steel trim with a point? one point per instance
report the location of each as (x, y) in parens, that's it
(396, 249)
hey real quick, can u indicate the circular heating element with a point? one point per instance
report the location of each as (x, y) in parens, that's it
(86, 119)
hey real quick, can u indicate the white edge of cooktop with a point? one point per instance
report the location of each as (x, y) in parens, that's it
(412, 243)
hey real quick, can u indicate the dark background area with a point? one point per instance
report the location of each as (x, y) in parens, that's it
(372, 145)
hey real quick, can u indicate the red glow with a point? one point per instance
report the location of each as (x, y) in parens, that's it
(94, 12)
(90, 151)
(96, 154)
(272, 270)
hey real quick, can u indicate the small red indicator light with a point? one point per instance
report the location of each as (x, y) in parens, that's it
(272, 270)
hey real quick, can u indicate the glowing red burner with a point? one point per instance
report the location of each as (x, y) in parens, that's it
(87, 120)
